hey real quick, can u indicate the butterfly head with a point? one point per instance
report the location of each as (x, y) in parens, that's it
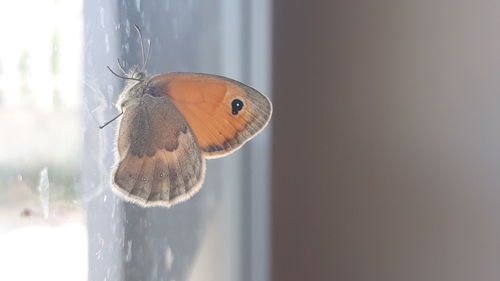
(136, 73)
(141, 75)
(136, 87)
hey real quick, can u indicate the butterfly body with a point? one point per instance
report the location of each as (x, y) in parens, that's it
(173, 122)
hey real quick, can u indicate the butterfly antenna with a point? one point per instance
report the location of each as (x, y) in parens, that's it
(107, 123)
(120, 76)
(142, 44)
(120, 65)
(147, 55)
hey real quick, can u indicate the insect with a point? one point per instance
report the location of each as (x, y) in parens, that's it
(171, 123)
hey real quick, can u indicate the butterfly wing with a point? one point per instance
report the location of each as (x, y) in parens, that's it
(222, 113)
(160, 163)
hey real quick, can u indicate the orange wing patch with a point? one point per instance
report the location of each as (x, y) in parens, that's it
(205, 101)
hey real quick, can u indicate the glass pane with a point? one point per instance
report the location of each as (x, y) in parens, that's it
(59, 219)
(212, 236)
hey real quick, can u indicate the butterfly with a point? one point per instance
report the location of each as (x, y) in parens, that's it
(171, 123)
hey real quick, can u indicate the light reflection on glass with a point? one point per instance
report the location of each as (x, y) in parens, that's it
(42, 230)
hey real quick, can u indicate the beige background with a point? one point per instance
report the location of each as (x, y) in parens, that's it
(386, 140)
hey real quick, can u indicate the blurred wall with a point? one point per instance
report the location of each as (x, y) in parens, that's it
(386, 140)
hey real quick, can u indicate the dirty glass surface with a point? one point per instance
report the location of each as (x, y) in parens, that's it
(58, 216)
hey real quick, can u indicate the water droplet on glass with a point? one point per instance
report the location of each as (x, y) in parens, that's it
(106, 41)
(169, 258)
(44, 191)
(128, 255)
(101, 16)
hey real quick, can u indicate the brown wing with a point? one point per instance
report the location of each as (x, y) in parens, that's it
(222, 113)
(160, 163)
